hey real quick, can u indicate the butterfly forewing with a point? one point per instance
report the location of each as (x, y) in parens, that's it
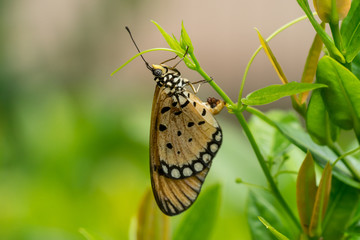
(184, 139)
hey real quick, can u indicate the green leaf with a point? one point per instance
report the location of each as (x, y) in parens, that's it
(342, 97)
(276, 233)
(355, 66)
(185, 40)
(151, 223)
(318, 124)
(312, 60)
(173, 43)
(321, 202)
(263, 204)
(257, 206)
(200, 219)
(271, 142)
(306, 191)
(350, 31)
(328, 42)
(272, 58)
(321, 154)
(179, 47)
(274, 92)
(343, 206)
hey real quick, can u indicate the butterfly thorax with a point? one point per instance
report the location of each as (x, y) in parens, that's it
(169, 78)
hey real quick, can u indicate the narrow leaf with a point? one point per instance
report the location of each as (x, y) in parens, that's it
(151, 223)
(276, 233)
(306, 191)
(355, 66)
(318, 124)
(350, 31)
(185, 40)
(274, 92)
(271, 142)
(321, 154)
(342, 208)
(342, 97)
(272, 58)
(263, 204)
(200, 219)
(173, 43)
(321, 202)
(311, 64)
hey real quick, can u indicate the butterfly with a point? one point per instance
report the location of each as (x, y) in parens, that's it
(184, 139)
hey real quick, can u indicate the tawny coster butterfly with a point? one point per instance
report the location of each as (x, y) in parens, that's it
(184, 139)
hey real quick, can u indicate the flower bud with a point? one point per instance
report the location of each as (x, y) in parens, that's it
(324, 9)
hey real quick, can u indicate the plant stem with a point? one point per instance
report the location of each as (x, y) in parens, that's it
(212, 83)
(260, 47)
(265, 169)
(347, 163)
(328, 42)
(252, 141)
(336, 35)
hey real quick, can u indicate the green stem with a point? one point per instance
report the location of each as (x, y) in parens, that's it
(336, 35)
(260, 47)
(252, 185)
(346, 161)
(285, 172)
(252, 141)
(328, 42)
(334, 25)
(345, 154)
(212, 83)
(265, 169)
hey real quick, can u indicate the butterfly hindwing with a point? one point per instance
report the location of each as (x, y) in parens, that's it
(184, 139)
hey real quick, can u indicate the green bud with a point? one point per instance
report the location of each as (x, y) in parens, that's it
(324, 8)
(185, 40)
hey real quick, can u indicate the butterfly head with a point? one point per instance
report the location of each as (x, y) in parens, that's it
(162, 71)
(170, 78)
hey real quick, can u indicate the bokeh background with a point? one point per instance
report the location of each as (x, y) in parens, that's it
(74, 141)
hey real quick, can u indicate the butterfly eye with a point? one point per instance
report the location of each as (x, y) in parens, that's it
(157, 72)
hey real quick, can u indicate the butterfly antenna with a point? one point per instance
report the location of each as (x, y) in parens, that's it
(146, 63)
(186, 52)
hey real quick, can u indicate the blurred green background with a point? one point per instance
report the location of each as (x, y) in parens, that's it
(74, 141)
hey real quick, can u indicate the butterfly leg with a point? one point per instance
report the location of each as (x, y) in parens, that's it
(169, 59)
(196, 90)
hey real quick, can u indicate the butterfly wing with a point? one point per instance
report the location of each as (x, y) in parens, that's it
(184, 138)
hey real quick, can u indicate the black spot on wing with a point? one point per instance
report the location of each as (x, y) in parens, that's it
(190, 124)
(165, 109)
(185, 103)
(162, 127)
